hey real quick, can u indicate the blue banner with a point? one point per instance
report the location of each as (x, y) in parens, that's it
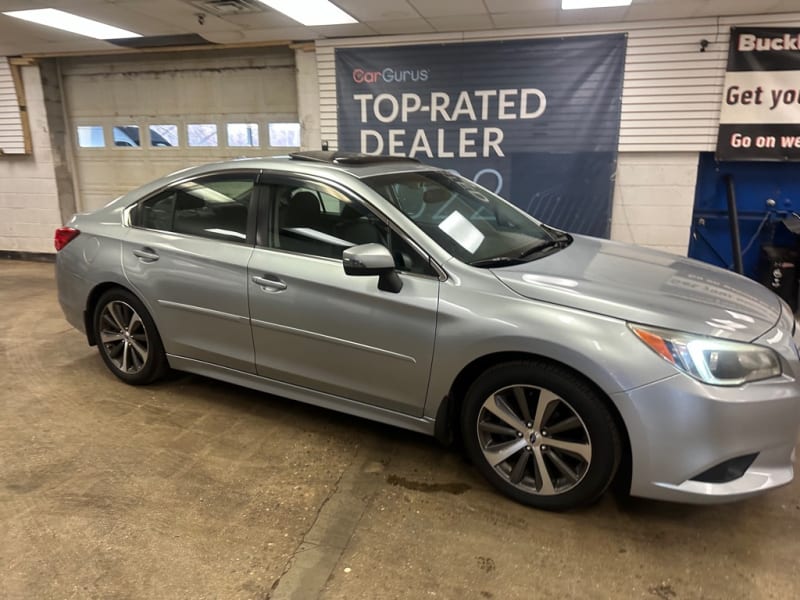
(537, 121)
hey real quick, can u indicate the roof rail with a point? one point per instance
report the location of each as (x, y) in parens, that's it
(347, 158)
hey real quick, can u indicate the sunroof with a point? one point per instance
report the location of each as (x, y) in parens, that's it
(347, 158)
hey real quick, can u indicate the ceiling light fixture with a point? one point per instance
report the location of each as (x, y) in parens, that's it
(578, 4)
(59, 19)
(311, 12)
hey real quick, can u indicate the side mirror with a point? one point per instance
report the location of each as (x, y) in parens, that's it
(373, 259)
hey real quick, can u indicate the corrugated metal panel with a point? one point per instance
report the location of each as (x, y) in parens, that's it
(672, 91)
(12, 134)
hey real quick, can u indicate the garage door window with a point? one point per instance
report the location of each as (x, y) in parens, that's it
(243, 135)
(91, 136)
(126, 136)
(202, 135)
(164, 136)
(215, 207)
(284, 135)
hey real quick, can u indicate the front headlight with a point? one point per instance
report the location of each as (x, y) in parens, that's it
(711, 360)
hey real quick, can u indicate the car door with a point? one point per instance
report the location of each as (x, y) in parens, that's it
(316, 327)
(186, 255)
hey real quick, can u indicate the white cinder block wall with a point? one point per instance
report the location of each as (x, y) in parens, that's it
(307, 98)
(29, 209)
(654, 199)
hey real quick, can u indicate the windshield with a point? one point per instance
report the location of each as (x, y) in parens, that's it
(470, 222)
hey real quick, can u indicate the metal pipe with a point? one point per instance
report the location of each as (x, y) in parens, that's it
(733, 221)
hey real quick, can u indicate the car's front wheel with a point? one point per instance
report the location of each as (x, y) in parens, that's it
(540, 434)
(127, 338)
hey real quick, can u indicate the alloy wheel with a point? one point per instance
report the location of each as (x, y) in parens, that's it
(124, 337)
(534, 439)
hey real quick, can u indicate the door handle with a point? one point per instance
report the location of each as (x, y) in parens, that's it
(146, 254)
(272, 285)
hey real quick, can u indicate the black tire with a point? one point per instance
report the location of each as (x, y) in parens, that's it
(123, 328)
(580, 454)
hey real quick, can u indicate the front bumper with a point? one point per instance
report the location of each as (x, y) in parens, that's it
(679, 428)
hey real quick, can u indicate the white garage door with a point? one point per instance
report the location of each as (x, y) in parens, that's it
(133, 119)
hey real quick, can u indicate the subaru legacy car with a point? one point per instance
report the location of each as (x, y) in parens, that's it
(403, 293)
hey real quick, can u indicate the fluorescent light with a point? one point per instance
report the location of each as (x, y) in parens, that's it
(577, 4)
(311, 12)
(59, 19)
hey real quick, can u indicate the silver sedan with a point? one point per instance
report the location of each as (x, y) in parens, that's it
(406, 294)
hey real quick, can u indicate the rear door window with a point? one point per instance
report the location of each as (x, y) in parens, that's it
(216, 207)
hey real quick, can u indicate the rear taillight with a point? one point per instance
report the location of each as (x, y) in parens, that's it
(63, 236)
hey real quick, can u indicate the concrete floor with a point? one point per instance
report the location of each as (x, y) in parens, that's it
(198, 489)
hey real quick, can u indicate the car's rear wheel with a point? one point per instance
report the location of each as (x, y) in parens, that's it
(540, 434)
(127, 338)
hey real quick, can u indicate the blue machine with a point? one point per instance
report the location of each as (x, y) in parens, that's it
(767, 197)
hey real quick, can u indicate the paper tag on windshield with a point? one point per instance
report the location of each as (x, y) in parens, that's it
(462, 231)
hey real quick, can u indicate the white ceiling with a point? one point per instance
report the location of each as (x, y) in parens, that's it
(376, 17)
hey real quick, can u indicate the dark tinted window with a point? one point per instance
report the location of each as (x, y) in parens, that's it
(213, 207)
(156, 213)
(320, 221)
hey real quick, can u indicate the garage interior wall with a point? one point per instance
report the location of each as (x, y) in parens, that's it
(307, 96)
(670, 112)
(29, 210)
(12, 123)
(257, 85)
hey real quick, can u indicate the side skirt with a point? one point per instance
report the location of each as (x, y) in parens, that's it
(301, 394)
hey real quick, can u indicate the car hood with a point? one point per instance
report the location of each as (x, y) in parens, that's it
(649, 287)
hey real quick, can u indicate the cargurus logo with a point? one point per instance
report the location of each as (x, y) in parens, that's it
(390, 75)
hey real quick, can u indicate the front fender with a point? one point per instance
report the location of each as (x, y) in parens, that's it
(474, 325)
